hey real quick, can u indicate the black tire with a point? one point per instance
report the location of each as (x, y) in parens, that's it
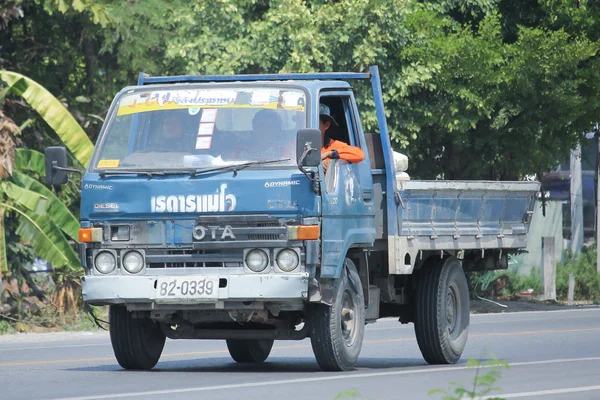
(442, 311)
(249, 351)
(336, 346)
(137, 343)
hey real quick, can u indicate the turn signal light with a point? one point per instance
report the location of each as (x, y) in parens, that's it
(90, 235)
(304, 232)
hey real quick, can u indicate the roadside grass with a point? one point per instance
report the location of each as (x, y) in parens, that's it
(587, 279)
(40, 304)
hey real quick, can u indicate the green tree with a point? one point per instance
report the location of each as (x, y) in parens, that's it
(463, 100)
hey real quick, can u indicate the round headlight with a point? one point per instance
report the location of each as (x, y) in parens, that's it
(257, 260)
(287, 260)
(133, 262)
(105, 262)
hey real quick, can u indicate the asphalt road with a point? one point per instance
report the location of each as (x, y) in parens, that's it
(552, 355)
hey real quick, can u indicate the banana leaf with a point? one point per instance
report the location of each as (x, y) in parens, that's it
(30, 160)
(57, 210)
(31, 200)
(46, 239)
(53, 112)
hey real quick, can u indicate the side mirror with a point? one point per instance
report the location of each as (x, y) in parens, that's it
(56, 165)
(308, 148)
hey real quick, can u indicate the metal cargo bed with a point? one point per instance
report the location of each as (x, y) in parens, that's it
(462, 215)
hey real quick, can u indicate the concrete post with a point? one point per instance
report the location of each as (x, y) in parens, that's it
(549, 268)
(576, 202)
(571, 294)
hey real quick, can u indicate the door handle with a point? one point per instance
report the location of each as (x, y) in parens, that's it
(367, 195)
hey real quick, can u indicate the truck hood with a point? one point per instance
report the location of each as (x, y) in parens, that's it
(264, 191)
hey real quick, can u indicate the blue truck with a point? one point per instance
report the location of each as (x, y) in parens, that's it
(206, 213)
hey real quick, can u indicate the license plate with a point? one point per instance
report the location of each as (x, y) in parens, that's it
(187, 289)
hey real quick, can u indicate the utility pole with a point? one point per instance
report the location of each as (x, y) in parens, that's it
(598, 201)
(576, 202)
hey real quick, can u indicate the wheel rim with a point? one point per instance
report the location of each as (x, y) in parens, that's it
(348, 319)
(452, 310)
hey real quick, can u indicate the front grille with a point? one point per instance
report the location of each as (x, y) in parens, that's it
(267, 224)
(232, 229)
(254, 236)
(192, 259)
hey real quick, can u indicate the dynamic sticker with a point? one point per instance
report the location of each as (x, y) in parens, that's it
(92, 186)
(281, 184)
(201, 203)
(108, 163)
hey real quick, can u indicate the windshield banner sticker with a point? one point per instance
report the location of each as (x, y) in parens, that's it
(108, 164)
(260, 98)
(218, 202)
(208, 99)
(174, 99)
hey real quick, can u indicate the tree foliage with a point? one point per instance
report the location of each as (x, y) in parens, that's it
(474, 89)
(470, 93)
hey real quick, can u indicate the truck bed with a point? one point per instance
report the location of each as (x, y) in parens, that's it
(462, 215)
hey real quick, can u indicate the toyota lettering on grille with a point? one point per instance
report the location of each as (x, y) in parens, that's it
(213, 232)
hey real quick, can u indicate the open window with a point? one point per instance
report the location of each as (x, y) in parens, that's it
(341, 111)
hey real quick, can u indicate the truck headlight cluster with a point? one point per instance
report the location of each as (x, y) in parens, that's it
(287, 260)
(133, 262)
(105, 262)
(130, 262)
(257, 260)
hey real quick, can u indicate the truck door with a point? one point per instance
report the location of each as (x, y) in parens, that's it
(347, 190)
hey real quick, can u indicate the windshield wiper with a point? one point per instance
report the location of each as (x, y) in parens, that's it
(128, 172)
(236, 167)
(148, 173)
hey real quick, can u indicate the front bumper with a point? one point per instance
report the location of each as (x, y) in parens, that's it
(119, 289)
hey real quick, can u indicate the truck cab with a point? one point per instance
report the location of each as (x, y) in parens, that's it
(207, 213)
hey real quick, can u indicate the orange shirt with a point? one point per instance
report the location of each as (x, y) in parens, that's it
(349, 153)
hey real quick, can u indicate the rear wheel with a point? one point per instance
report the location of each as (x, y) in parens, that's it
(336, 331)
(249, 351)
(442, 312)
(137, 342)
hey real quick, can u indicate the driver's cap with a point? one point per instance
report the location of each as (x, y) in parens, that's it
(326, 112)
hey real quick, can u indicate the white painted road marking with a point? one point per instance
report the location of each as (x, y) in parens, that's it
(55, 347)
(544, 392)
(336, 377)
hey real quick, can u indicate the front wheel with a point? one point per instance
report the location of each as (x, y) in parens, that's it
(137, 342)
(336, 331)
(442, 311)
(249, 351)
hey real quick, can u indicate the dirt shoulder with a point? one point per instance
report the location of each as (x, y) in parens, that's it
(520, 305)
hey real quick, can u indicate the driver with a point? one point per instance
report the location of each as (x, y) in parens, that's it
(169, 137)
(267, 133)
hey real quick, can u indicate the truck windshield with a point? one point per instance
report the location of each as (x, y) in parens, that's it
(200, 127)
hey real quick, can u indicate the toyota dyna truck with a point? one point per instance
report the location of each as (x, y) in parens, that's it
(206, 213)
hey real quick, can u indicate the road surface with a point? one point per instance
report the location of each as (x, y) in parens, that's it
(552, 355)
